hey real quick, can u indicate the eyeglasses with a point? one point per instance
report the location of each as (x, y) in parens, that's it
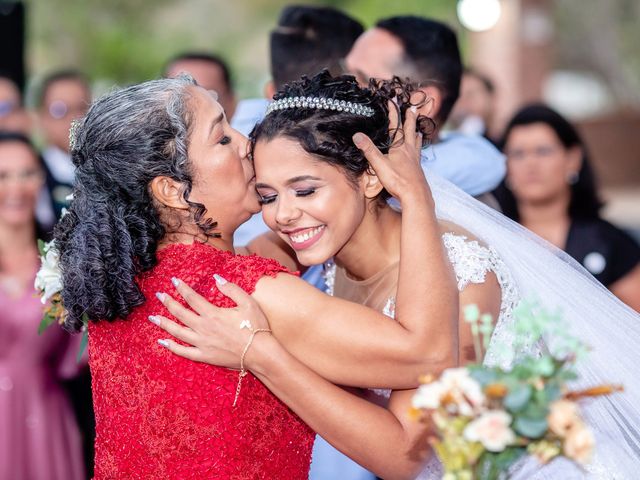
(59, 110)
(7, 107)
(543, 151)
(32, 176)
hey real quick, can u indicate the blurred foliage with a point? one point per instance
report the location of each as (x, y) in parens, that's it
(124, 41)
(603, 38)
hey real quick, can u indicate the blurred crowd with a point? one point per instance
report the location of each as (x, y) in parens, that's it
(536, 172)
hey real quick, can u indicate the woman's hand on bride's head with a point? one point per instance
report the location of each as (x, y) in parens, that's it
(399, 171)
(214, 335)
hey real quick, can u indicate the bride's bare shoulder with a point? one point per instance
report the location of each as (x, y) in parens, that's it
(450, 227)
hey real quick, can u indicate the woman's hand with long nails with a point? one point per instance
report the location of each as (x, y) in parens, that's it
(214, 335)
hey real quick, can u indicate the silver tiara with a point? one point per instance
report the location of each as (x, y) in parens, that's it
(321, 103)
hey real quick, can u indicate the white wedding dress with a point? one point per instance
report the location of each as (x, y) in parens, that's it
(529, 268)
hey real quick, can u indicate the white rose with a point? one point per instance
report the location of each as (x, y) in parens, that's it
(492, 430)
(49, 277)
(428, 396)
(464, 389)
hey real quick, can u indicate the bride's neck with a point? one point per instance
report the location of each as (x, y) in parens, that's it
(374, 245)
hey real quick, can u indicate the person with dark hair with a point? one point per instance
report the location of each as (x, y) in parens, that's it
(550, 189)
(63, 96)
(426, 52)
(40, 437)
(162, 183)
(473, 112)
(325, 198)
(210, 71)
(309, 39)
(13, 116)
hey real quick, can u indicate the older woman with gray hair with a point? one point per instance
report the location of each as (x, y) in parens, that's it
(162, 184)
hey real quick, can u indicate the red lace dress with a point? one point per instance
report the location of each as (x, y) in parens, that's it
(160, 416)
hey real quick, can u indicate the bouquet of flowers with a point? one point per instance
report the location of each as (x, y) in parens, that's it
(485, 418)
(49, 285)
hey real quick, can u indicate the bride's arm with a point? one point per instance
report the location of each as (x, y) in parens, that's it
(386, 442)
(342, 341)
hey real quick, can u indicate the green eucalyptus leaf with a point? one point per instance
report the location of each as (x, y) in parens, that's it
(46, 321)
(552, 392)
(530, 427)
(482, 375)
(471, 313)
(41, 247)
(544, 366)
(495, 466)
(518, 397)
(83, 343)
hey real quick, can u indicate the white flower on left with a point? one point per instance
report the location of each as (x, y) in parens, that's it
(492, 429)
(49, 277)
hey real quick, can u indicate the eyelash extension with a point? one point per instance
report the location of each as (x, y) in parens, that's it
(266, 200)
(305, 193)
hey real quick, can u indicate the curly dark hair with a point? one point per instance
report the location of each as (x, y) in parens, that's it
(327, 134)
(112, 230)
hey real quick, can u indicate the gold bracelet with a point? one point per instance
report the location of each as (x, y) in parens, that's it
(243, 371)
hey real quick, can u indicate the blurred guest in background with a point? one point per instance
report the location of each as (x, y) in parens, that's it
(211, 73)
(306, 40)
(473, 113)
(63, 96)
(550, 189)
(39, 438)
(426, 51)
(13, 117)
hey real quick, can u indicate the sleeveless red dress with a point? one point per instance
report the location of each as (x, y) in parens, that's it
(160, 416)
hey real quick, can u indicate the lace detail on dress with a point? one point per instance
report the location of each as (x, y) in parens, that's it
(471, 262)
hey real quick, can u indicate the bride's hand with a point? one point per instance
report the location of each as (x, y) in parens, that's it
(217, 336)
(399, 170)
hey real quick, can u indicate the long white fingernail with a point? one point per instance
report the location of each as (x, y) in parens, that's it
(164, 343)
(160, 296)
(414, 109)
(153, 319)
(175, 281)
(219, 280)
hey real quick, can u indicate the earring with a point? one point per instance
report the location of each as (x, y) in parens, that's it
(572, 178)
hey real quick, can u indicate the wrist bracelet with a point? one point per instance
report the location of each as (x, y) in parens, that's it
(243, 371)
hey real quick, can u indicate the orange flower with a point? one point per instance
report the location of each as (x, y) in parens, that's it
(495, 390)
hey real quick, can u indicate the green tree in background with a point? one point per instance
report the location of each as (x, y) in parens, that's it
(125, 41)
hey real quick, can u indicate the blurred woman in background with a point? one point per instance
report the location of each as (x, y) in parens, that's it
(39, 437)
(550, 189)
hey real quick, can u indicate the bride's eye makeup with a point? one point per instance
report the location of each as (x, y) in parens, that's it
(225, 140)
(305, 192)
(266, 199)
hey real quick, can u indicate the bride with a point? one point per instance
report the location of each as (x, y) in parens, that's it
(322, 201)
